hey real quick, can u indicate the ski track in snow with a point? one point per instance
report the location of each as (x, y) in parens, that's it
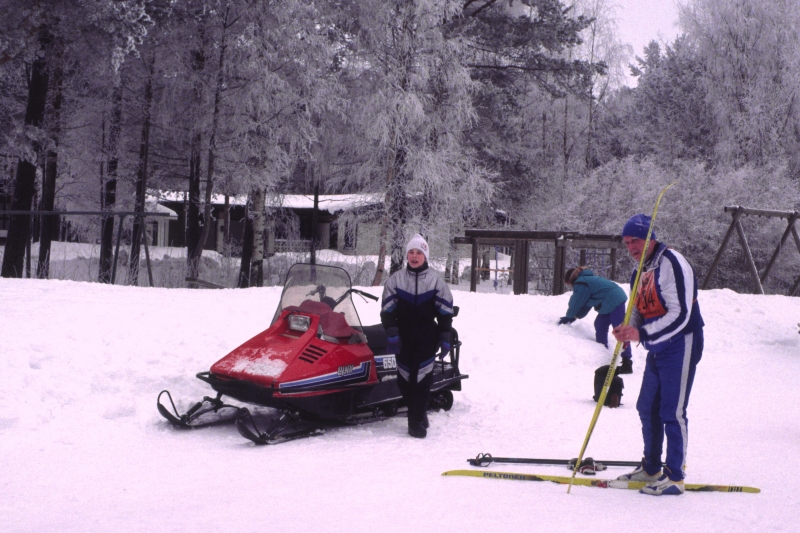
(82, 447)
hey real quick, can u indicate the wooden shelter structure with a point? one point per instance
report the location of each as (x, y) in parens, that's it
(519, 240)
(737, 213)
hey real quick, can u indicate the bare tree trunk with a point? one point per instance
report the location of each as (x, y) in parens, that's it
(451, 264)
(398, 212)
(197, 252)
(19, 229)
(193, 231)
(387, 200)
(314, 225)
(108, 193)
(140, 182)
(565, 151)
(49, 223)
(379, 268)
(257, 269)
(247, 247)
(226, 221)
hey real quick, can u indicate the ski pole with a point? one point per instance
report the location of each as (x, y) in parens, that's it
(613, 366)
(485, 459)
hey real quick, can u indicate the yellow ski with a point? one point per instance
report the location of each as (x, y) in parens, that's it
(591, 482)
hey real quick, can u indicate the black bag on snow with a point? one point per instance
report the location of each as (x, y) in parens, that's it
(614, 396)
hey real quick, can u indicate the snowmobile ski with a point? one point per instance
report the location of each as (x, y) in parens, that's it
(588, 466)
(281, 429)
(599, 483)
(208, 412)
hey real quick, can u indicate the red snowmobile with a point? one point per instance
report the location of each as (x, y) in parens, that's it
(316, 366)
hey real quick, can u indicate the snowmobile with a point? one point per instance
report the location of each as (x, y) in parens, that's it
(316, 366)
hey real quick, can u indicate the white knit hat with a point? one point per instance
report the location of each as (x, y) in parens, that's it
(418, 242)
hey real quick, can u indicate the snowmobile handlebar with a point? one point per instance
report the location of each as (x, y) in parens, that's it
(320, 289)
(365, 294)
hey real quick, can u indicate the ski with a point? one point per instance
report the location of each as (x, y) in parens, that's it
(599, 483)
(485, 459)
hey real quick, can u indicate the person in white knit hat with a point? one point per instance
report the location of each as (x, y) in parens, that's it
(417, 312)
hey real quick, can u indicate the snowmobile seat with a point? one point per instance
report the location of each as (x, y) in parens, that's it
(376, 338)
(335, 325)
(311, 306)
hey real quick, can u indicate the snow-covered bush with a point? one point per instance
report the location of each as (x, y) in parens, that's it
(691, 217)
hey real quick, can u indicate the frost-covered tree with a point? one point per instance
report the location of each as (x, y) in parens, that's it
(536, 80)
(34, 36)
(750, 51)
(412, 94)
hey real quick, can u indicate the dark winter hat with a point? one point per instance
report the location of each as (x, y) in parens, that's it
(572, 274)
(637, 226)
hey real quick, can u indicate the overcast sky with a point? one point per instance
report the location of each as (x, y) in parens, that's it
(641, 21)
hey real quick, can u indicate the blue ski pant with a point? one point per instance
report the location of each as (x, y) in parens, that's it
(612, 319)
(666, 384)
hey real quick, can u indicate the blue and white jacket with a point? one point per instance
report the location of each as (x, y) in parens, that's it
(418, 302)
(666, 303)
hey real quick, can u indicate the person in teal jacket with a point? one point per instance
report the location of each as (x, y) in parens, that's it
(607, 298)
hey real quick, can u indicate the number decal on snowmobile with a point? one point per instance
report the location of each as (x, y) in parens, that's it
(389, 363)
(344, 370)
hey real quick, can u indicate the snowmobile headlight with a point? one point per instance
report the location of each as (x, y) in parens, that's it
(299, 322)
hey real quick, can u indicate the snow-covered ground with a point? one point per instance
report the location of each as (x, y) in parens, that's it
(83, 449)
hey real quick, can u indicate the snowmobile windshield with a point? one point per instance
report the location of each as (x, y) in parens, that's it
(319, 283)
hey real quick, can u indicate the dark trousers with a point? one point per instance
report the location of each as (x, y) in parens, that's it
(611, 320)
(416, 391)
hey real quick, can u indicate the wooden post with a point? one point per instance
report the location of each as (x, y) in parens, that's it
(749, 258)
(473, 276)
(559, 265)
(517, 287)
(116, 250)
(736, 216)
(796, 238)
(613, 259)
(146, 251)
(521, 270)
(562, 270)
(777, 251)
(794, 287)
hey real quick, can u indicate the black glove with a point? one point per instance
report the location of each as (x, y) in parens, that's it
(392, 340)
(565, 320)
(443, 345)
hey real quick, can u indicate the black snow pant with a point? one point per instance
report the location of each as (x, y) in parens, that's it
(416, 392)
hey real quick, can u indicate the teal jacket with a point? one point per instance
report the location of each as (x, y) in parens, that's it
(593, 291)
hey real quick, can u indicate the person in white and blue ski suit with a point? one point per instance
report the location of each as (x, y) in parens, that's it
(667, 321)
(417, 313)
(607, 298)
